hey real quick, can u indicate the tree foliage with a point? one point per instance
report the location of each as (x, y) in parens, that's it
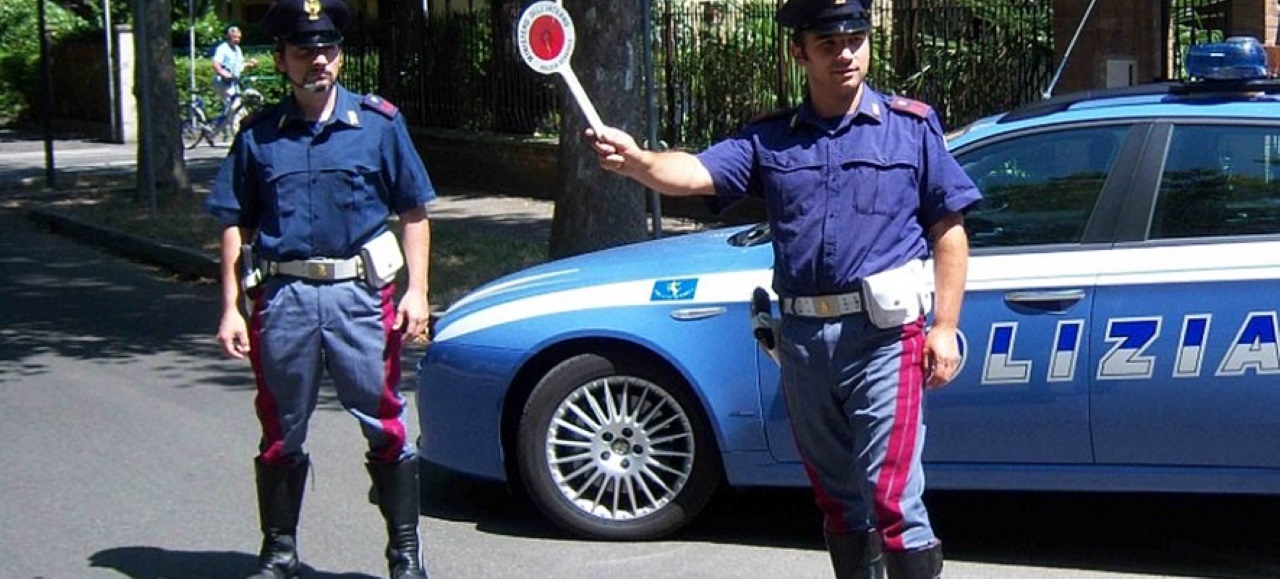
(20, 51)
(79, 20)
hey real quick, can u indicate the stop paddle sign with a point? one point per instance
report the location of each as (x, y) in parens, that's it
(545, 37)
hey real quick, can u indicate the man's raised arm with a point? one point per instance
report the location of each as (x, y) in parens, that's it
(669, 172)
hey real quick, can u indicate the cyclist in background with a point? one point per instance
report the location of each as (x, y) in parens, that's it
(228, 64)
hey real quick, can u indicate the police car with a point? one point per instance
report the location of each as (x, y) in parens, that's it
(1119, 331)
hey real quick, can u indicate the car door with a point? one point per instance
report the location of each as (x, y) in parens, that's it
(1186, 367)
(1021, 395)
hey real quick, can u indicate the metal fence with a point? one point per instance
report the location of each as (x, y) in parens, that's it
(458, 71)
(966, 59)
(717, 63)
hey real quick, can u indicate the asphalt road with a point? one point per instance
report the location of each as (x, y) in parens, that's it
(127, 447)
(23, 159)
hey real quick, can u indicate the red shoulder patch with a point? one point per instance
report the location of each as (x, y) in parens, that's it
(909, 106)
(381, 105)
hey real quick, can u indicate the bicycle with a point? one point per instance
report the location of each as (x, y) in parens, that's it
(197, 127)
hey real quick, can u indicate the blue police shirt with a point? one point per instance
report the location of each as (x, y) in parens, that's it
(847, 197)
(320, 189)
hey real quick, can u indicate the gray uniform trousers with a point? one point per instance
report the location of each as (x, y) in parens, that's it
(300, 329)
(854, 395)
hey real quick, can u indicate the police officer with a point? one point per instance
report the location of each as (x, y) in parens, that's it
(859, 189)
(310, 183)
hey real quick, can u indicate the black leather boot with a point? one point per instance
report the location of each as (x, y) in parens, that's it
(856, 555)
(397, 493)
(922, 564)
(280, 491)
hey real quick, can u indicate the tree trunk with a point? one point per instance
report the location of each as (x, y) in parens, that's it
(159, 149)
(596, 209)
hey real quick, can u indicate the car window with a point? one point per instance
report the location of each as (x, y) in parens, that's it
(1219, 180)
(1039, 188)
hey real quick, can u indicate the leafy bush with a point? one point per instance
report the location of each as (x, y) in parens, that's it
(20, 51)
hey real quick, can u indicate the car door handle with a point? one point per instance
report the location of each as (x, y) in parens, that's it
(1070, 296)
(689, 314)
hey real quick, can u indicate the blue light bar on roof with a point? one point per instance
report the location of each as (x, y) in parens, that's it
(1239, 58)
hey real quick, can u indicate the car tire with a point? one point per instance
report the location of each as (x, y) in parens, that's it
(616, 450)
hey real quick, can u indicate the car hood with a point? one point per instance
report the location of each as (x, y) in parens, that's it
(684, 257)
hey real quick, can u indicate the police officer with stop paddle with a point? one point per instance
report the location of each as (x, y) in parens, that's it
(860, 190)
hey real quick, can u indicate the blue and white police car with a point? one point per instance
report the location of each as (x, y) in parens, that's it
(1120, 328)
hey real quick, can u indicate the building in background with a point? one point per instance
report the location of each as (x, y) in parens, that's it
(1138, 41)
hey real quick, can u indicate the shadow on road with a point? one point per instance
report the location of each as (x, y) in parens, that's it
(1174, 535)
(156, 563)
(81, 304)
(1137, 534)
(68, 301)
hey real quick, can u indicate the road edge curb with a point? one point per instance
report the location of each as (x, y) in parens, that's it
(180, 260)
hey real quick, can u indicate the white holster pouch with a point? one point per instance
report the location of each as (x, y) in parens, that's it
(898, 296)
(382, 259)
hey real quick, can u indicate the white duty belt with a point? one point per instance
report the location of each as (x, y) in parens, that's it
(318, 269)
(829, 306)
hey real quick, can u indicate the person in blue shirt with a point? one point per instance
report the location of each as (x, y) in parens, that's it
(228, 65)
(859, 190)
(310, 184)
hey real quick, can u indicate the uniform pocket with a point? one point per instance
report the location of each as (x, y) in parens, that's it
(349, 190)
(883, 188)
(788, 176)
(286, 191)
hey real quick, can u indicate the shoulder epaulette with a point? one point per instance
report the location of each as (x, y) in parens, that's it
(381, 105)
(254, 116)
(771, 115)
(910, 106)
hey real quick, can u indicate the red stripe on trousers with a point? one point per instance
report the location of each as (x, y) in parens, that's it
(900, 450)
(272, 451)
(389, 410)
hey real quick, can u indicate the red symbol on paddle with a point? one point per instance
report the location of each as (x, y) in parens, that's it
(545, 38)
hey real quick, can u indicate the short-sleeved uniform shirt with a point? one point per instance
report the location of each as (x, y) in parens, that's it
(231, 58)
(320, 189)
(846, 197)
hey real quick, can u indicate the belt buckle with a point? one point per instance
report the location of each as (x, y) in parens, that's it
(822, 304)
(318, 270)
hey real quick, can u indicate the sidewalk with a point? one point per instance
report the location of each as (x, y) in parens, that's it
(83, 164)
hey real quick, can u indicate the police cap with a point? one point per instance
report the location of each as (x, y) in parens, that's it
(307, 23)
(825, 16)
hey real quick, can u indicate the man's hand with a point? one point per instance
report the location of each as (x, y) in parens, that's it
(414, 317)
(941, 357)
(614, 148)
(667, 172)
(233, 335)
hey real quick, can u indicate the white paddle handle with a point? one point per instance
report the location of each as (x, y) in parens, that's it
(584, 103)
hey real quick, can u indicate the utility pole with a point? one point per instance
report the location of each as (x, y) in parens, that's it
(146, 157)
(46, 97)
(109, 32)
(191, 42)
